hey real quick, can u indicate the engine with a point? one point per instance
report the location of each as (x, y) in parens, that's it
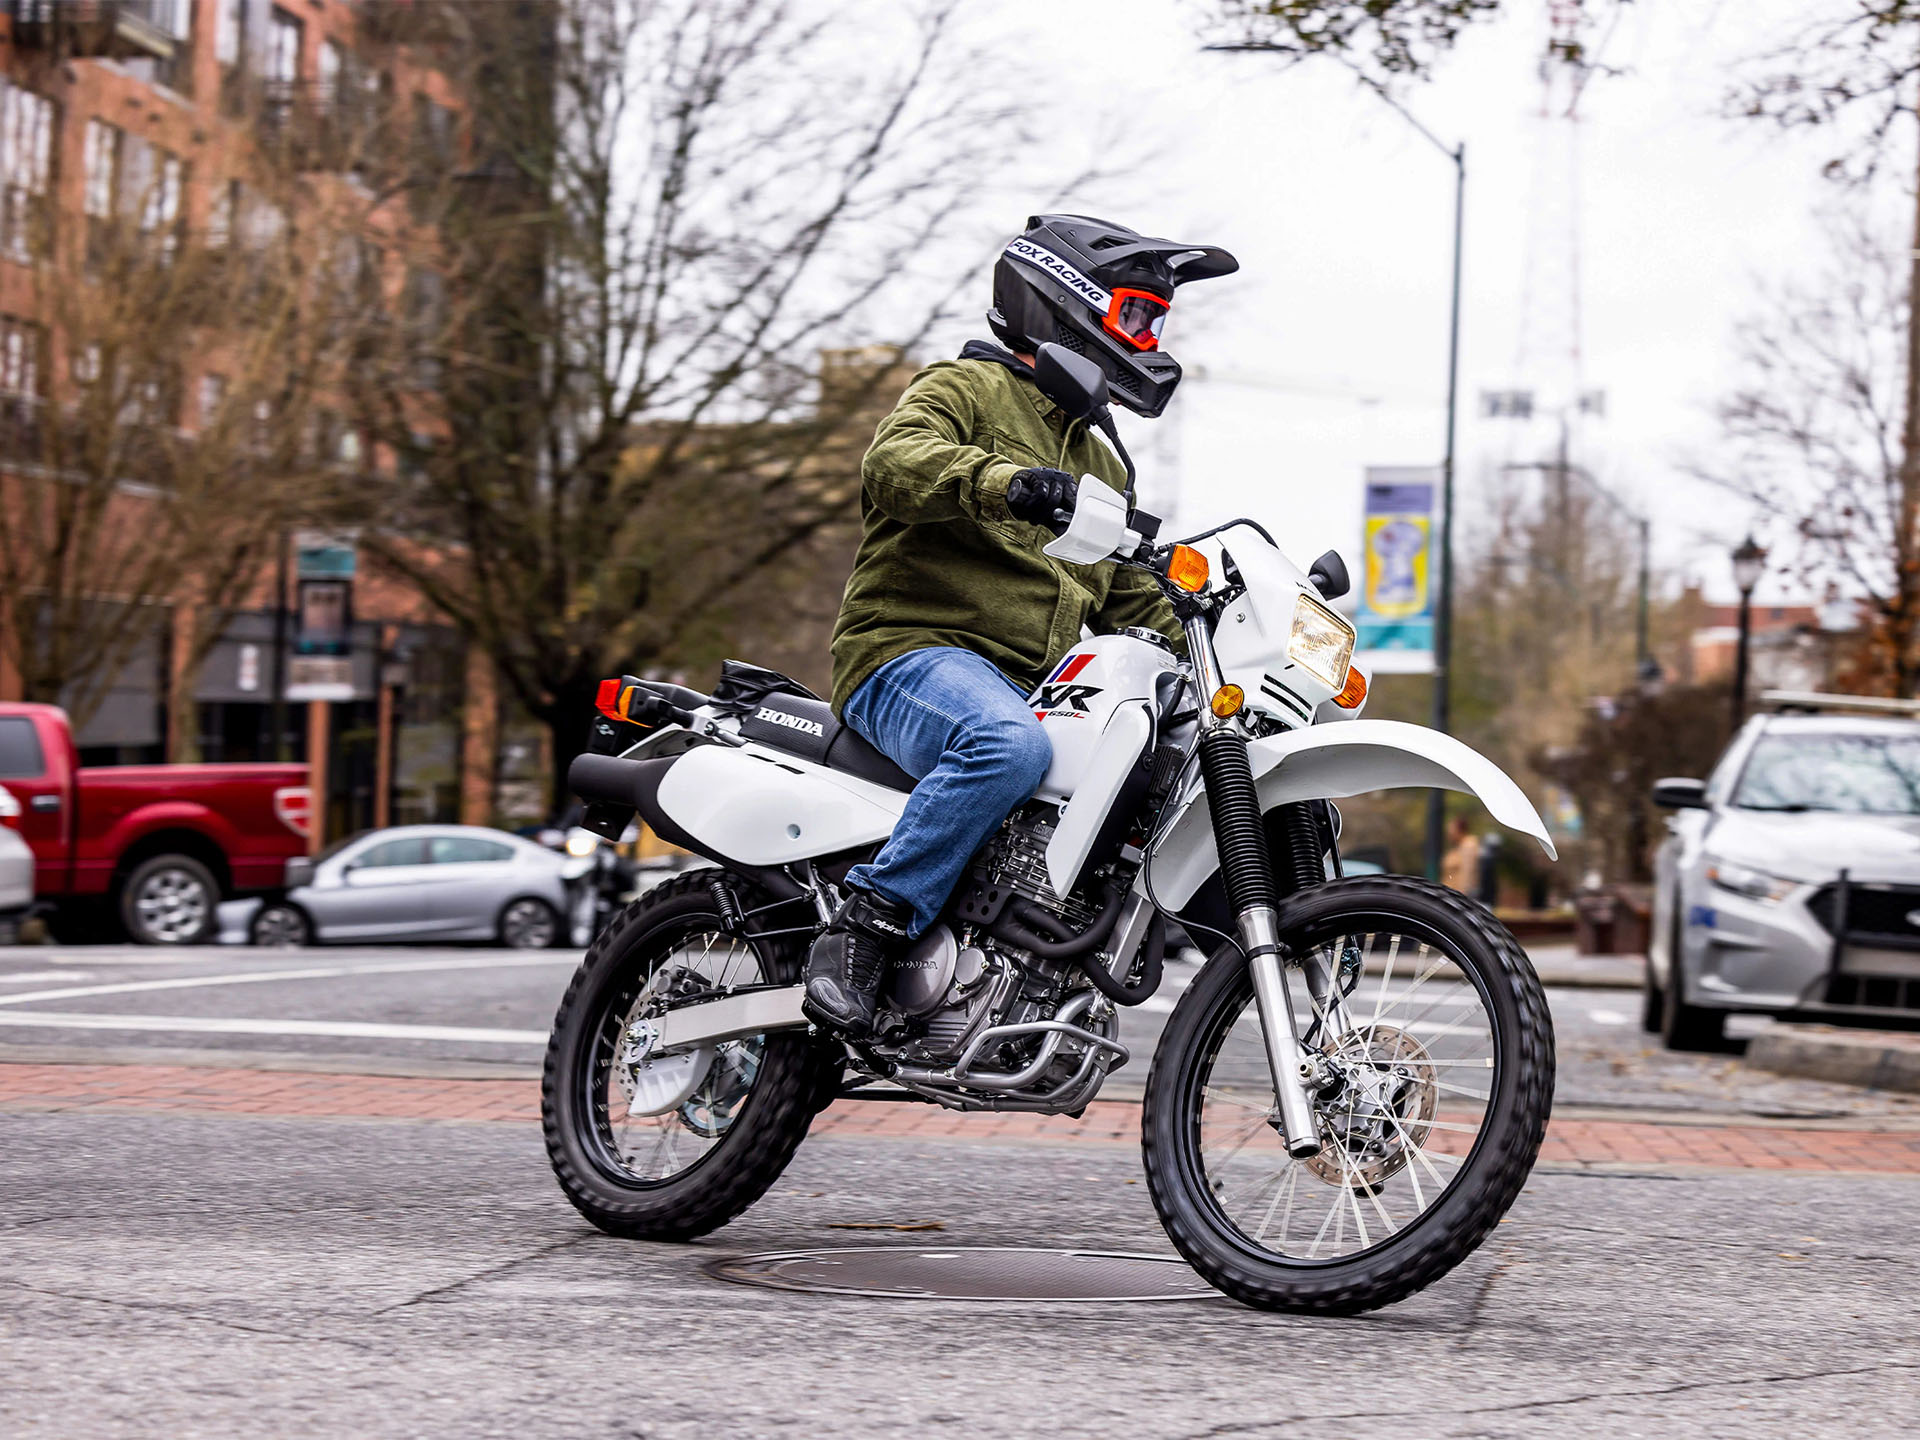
(952, 988)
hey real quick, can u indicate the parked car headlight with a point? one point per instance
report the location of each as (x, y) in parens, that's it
(1321, 642)
(1754, 884)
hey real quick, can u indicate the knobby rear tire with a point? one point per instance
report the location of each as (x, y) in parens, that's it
(763, 1137)
(1460, 1219)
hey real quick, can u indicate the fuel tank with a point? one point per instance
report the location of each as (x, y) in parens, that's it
(1075, 702)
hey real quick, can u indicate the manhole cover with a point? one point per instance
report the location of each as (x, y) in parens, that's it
(901, 1273)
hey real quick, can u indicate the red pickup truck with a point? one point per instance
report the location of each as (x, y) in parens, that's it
(157, 846)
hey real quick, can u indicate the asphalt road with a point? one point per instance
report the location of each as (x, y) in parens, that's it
(218, 1274)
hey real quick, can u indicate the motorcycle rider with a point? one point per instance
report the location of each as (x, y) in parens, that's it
(952, 614)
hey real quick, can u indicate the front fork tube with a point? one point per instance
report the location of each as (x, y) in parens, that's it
(1246, 868)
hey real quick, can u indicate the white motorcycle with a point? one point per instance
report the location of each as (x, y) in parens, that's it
(1347, 1097)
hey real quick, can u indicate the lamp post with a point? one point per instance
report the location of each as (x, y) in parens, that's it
(1443, 590)
(1749, 563)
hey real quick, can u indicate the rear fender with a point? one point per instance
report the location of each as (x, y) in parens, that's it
(746, 805)
(1329, 763)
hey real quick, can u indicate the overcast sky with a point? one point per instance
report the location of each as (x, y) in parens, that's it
(1327, 352)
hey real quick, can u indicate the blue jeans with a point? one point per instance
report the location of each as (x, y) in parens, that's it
(963, 730)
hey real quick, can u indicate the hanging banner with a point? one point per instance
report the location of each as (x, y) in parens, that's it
(321, 666)
(1395, 613)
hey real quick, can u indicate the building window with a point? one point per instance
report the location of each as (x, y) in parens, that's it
(426, 318)
(160, 206)
(104, 158)
(283, 48)
(26, 165)
(333, 68)
(174, 19)
(222, 209)
(212, 395)
(229, 32)
(153, 402)
(21, 345)
(103, 168)
(86, 364)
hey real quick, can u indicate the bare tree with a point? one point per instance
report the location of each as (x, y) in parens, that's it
(1814, 434)
(663, 214)
(1382, 39)
(156, 424)
(1853, 67)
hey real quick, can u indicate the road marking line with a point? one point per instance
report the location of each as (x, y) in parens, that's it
(46, 977)
(261, 977)
(1609, 1017)
(222, 1025)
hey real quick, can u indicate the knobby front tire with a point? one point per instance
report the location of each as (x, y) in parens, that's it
(1445, 1049)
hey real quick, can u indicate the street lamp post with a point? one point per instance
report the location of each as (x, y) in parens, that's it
(1749, 562)
(1443, 590)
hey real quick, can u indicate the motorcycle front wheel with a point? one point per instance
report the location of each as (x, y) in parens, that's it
(1435, 1062)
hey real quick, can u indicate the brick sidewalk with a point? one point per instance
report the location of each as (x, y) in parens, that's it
(151, 1089)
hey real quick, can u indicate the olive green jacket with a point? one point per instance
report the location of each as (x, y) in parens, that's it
(943, 562)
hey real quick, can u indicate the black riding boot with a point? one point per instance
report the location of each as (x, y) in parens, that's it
(850, 959)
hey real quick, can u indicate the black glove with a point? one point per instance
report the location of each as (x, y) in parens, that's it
(1033, 495)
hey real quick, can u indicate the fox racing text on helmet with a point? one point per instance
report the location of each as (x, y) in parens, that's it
(1102, 290)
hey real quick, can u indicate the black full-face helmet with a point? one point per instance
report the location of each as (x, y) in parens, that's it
(1102, 290)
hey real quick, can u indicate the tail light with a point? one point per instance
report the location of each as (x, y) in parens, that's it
(293, 807)
(9, 809)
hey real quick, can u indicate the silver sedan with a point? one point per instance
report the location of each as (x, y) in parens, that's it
(435, 883)
(1789, 883)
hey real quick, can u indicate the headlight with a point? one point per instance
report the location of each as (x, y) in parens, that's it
(1754, 884)
(1321, 642)
(582, 842)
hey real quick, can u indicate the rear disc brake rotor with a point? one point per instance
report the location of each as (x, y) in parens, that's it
(715, 1103)
(1386, 1104)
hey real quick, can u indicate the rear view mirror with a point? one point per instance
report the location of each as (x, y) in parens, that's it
(1678, 794)
(1073, 382)
(1329, 576)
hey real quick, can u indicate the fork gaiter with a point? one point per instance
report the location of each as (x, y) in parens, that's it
(1234, 806)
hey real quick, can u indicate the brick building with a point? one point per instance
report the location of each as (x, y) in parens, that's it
(111, 107)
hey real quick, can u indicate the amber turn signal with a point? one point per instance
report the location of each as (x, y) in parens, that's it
(1187, 568)
(1354, 692)
(1228, 699)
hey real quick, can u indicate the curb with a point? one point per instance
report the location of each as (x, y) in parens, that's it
(1873, 1059)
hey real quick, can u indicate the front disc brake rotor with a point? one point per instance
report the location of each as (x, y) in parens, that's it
(1385, 1105)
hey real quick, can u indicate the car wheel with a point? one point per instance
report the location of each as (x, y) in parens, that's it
(280, 925)
(1684, 1026)
(170, 900)
(529, 924)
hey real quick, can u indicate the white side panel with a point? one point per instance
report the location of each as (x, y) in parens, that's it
(1329, 762)
(764, 807)
(1126, 735)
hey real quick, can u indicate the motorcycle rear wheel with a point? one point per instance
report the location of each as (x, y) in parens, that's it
(702, 1156)
(1433, 1121)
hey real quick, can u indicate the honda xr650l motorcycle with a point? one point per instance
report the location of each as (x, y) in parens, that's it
(1345, 1100)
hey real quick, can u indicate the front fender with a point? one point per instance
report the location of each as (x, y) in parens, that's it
(1331, 762)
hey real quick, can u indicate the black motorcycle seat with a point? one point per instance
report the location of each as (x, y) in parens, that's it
(804, 726)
